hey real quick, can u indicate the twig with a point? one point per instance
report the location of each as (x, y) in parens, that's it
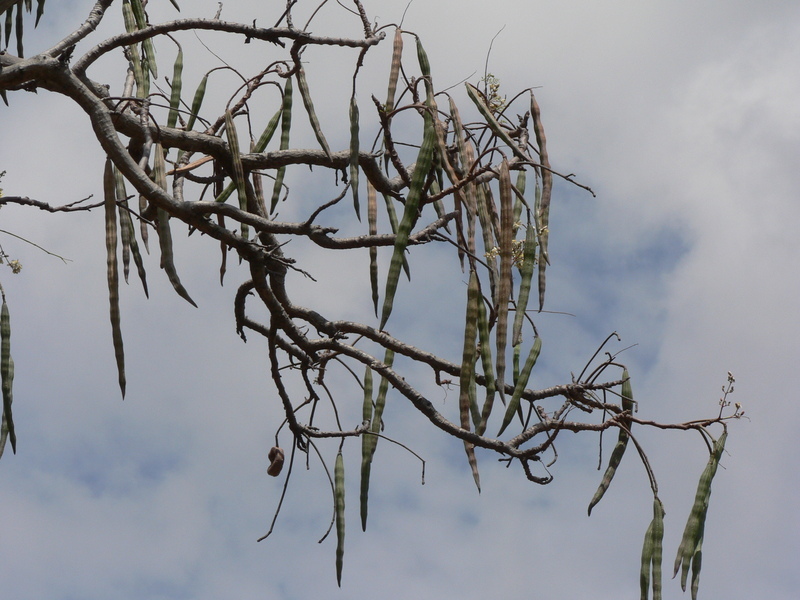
(71, 207)
(64, 260)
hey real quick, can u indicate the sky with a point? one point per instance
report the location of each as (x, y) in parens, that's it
(683, 119)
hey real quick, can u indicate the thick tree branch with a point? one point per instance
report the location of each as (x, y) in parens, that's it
(272, 35)
(71, 207)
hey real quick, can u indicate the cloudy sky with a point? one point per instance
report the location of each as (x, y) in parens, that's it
(684, 120)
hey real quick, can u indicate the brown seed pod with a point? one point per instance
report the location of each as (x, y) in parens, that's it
(275, 461)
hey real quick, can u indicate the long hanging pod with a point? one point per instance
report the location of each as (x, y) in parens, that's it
(305, 94)
(354, 148)
(369, 442)
(652, 551)
(286, 125)
(372, 222)
(238, 169)
(544, 205)
(126, 222)
(690, 549)
(177, 86)
(622, 443)
(164, 233)
(505, 282)
(112, 269)
(411, 212)
(7, 430)
(338, 481)
(467, 378)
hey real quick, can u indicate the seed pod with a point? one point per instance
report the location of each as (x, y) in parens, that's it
(139, 73)
(372, 223)
(39, 11)
(468, 369)
(370, 442)
(163, 229)
(366, 447)
(652, 553)
(689, 551)
(526, 276)
(305, 94)
(238, 169)
(496, 128)
(7, 372)
(177, 85)
(622, 443)
(126, 222)
(410, 215)
(19, 25)
(488, 368)
(505, 283)
(425, 67)
(286, 124)
(544, 205)
(392, 215)
(275, 457)
(338, 494)
(354, 148)
(149, 49)
(522, 381)
(394, 71)
(258, 147)
(112, 269)
(197, 101)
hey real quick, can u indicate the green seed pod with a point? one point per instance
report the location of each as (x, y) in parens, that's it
(7, 372)
(410, 215)
(622, 442)
(338, 481)
(197, 102)
(112, 269)
(177, 85)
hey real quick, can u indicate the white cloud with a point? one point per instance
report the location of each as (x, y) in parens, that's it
(684, 121)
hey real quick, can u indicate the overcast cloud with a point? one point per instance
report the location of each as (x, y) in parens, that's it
(682, 117)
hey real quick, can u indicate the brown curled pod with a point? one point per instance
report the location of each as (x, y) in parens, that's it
(275, 461)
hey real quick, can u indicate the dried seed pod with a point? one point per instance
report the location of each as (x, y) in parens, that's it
(275, 461)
